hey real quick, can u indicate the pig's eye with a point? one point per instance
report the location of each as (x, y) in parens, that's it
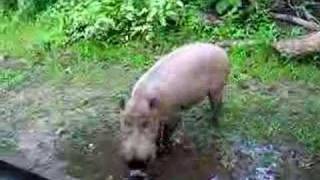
(145, 124)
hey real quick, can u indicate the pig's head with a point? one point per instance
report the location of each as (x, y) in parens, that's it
(139, 127)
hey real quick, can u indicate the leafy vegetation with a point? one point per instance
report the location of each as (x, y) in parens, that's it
(120, 20)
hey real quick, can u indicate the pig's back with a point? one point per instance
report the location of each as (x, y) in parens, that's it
(185, 73)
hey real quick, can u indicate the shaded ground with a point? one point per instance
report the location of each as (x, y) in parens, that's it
(69, 128)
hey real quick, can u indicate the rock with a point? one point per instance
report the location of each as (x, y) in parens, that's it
(60, 131)
(8, 171)
(138, 175)
(110, 178)
(37, 152)
(214, 177)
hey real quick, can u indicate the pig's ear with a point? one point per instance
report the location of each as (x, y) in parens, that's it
(154, 103)
(122, 103)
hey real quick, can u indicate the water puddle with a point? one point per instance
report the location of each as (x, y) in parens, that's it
(103, 162)
(184, 162)
(39, 153)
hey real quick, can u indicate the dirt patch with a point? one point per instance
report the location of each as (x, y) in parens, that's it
(11, 63)
(41, 116)
(184, 161)
(68, 130)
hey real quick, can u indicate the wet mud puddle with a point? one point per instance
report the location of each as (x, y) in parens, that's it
(182, 162)
(250, 161)
(38, 154)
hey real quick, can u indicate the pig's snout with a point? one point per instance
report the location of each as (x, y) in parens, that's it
(138, 153)
(134, 160)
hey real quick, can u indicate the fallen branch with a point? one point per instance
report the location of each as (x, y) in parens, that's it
(229, 43)
(303, 45)
(300, 46)
(296, 20)
(309, 16)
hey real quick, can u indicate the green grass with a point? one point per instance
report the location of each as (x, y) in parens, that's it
(261, 116)
(10, 78)
(7, 146)
(31, 39)
(267, 118)
(262, 63)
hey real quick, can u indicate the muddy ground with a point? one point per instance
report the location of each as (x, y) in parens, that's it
(69, 131)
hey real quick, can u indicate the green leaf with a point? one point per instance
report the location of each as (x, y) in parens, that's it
(180, 3)
(151, 14)
(142, 12)
(222, 6)
(162, 21)
(234, 2)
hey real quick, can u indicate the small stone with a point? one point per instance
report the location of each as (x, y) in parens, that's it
(60, 131)
(68, 70)
(272, 88)
(284, 94)
(214, 177)
(91, 146)
(253, 88)
(84, 102)
(137, 175)
(178, 141)
(109, 178)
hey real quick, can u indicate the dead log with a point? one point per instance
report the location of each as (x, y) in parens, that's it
(298, 21)
(300, 46)
(230, 43)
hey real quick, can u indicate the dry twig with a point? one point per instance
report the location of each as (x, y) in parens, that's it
(296, 20)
